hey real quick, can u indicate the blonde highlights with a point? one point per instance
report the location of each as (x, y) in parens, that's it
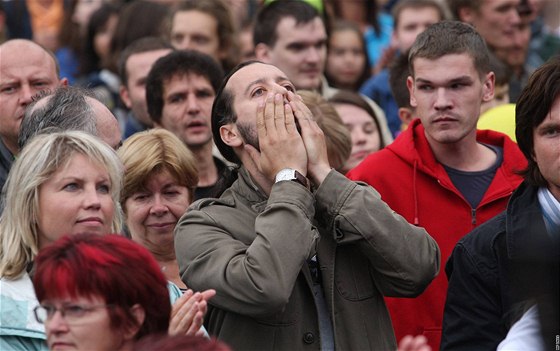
(42, 157)
(150, 152)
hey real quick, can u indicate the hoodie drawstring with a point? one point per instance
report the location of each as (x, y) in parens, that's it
(415, 194)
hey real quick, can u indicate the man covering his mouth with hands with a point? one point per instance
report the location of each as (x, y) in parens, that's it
(299, 255)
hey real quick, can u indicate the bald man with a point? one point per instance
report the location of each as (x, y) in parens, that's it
(26, 69)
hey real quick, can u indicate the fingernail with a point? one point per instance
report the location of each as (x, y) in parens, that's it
(277, 97)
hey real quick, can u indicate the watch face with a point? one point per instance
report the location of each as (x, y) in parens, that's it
(286, 174)
(292, 174)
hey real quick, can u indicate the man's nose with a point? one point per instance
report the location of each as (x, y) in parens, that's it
(26, 94)
(442, 101)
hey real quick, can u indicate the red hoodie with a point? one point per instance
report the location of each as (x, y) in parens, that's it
(416, 186)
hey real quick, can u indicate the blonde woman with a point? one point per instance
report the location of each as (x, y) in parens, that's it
(61, 183)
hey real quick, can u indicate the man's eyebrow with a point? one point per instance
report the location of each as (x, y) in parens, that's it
(422, 80)
(547, 124)
(454, 80)
(258, 81)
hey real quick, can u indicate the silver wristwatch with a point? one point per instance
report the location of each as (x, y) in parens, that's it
(293, 175)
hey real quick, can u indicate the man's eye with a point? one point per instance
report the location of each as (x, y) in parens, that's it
(551, 132)
(258, 92)
(204, 94)
(175, 99)
(290, 88)
(424, 87)
(8, 90)
(200, 40)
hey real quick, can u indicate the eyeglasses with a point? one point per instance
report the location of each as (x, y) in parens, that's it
(70, 313)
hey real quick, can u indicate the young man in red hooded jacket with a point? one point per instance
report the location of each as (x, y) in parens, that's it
(441, 173)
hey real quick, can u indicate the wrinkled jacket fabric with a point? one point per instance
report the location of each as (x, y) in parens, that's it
(507, 261)
(416, 186)
(253, 250)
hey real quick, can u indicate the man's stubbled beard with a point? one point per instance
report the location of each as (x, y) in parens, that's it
(249, 134)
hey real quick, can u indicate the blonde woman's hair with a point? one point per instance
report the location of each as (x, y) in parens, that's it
(147, 153)
(39, 160)
(337, 136)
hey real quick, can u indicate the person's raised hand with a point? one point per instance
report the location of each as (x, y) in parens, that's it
(187, 313)
(314, 140)
(414, 343)
(280, 144)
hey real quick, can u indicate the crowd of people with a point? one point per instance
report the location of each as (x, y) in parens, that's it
(279, 175)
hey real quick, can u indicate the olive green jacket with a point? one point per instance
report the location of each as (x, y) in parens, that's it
(253, 250)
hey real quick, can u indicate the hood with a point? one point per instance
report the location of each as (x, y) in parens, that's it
(413, 148)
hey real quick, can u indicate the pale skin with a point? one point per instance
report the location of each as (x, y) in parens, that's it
(187, 107)
(446, 93)
(187, 313)
(267, 111)
(276, 128)
(151, 216)
(414, 343)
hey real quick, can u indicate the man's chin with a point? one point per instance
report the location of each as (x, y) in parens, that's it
(196, 143)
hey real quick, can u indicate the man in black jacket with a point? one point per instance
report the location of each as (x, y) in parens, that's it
(507, 270)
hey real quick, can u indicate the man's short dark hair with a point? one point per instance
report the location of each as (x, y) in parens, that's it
(533, 105)
(178, 63)
(66, 108)
(450, 37)
(137, 47)
(270, 16)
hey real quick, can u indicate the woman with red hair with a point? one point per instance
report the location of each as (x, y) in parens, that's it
(102, 283)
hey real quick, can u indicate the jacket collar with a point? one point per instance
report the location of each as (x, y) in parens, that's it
(412, 146)
(248, 189)
(527, 238)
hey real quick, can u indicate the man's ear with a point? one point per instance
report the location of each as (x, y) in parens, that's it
(230, 135)
(488, 87)
(132, 329)
(262, 52)
(125, 97)
(405, 115)
(63, 82)
(410, 86)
